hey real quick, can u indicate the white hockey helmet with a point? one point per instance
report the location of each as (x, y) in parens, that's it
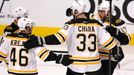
(105, 5)
(24, 22)
(78, 5)
(20, 12)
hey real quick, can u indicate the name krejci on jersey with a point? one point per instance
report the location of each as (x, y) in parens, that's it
(17, 43)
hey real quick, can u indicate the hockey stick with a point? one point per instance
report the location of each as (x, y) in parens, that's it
(119, 65)
(110, 15)
(59, 51)
(1, 39)
(0, 12)
(2, 5)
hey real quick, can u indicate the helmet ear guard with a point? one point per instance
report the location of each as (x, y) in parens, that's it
(69, 12)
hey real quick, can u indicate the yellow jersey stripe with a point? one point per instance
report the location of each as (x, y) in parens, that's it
(104, 55)
(12, 73)
(2, 54)
(104, 50)
(109, 40)
(86, 63)
(59, 38)
(45, 55)
(41, 51)
(108, 23)
(6, 60)
(24, 71)
(17, 38)
(62, 34)
(111, 45)
(84, 58)
(1, 59)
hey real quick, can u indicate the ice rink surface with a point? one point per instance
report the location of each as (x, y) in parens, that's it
(49, 68)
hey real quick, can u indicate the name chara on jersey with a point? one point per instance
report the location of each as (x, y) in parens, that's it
(86, 29)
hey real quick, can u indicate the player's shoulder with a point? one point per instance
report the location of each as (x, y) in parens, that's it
(12, 24)
(72, 21)
(83, 20)
(18, 36)
(117, 21)
(79, 20)
(94, 21)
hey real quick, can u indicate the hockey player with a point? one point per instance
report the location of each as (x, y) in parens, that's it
(17, 14)
(21, 60)
(117, 30)
(83, 37)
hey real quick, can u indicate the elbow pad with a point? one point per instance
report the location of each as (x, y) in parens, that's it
(51, 40)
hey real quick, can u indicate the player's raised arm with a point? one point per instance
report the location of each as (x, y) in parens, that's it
(119, 31)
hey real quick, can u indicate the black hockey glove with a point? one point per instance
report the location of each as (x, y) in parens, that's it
(34, 41)
(118, 54)
(69, 12)
(59, 58)
(64, 60)
(112, 30)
